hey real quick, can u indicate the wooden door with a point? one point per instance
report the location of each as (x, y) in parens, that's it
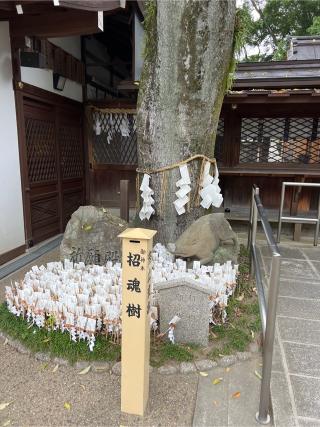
(54, 162)
(43, 170)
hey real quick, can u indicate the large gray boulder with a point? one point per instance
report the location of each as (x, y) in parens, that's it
(91, 236)
(206, 239)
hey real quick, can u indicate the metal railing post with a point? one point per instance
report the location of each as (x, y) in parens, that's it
(263, 416)
(255, 191)
(316, 233)
(250, 220)
(283, 189)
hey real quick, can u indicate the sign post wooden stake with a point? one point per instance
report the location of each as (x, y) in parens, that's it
(137, 246)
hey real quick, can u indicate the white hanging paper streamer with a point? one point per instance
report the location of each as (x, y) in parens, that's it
(184, 190)
(146, 194)
(211, 192)
(124, 126)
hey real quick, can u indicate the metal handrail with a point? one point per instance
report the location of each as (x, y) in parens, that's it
(267, 310)
(296, 219)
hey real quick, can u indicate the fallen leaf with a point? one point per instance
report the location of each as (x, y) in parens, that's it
(252, 333)
(217, 381)
(221, 355)
(82, 386)
(240, 298)
(4, 405)
(236, 394)
(203, 374)
(256, 373)
(46, 340)
(85, 370)
(55, 368)
(5, 341)
(67, 406)
(215, 403)
(6, 423)
(227, 369)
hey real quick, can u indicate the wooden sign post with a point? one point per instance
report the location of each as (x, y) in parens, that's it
(137, 245)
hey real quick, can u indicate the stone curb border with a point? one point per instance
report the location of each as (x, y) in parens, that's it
(115, 367)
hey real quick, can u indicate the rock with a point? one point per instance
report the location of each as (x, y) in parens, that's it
(205, 365)
(82, 364)
(43, 357)
(203, 240)
(91, 236)
(243, 355)
(59, 361)
(187, 367)
(22, 349)
(254, 347)
(116, 368)
(100, 366)
(167, 370)
(187, 299)
(226, 361)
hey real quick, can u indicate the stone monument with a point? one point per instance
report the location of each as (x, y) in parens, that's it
(189, 300)
(91, 236)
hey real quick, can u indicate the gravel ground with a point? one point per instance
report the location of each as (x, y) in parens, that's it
(38, 395)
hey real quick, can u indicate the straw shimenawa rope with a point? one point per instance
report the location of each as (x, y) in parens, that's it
(176, 165)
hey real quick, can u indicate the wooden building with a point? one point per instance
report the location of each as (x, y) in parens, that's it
(269, 132)
(69, 119)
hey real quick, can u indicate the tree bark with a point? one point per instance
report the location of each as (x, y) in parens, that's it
(189, 49)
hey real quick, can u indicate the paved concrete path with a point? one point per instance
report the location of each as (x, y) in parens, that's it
(296, 364)
(232, 402)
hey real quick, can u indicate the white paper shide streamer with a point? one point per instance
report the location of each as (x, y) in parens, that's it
(211, 192)
(184, 190)
(146, 194)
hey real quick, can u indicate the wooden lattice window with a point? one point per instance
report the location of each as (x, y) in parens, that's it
(70, 152)
(114, 137)
(218, 151)
(280, 140)
(41, 150)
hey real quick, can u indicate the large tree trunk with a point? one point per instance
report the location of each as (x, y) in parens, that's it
(188, 53)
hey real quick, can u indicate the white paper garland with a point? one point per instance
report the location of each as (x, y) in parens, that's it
(146, 194)
(211, 192)
(184, 190)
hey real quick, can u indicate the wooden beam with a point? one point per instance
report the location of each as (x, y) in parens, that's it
(58, 24)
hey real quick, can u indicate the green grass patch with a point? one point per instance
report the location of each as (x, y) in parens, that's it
(242, 326)
(55, 342)
(243, 317)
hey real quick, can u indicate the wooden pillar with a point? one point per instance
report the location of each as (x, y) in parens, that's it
(124, 199)
(135, 341)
